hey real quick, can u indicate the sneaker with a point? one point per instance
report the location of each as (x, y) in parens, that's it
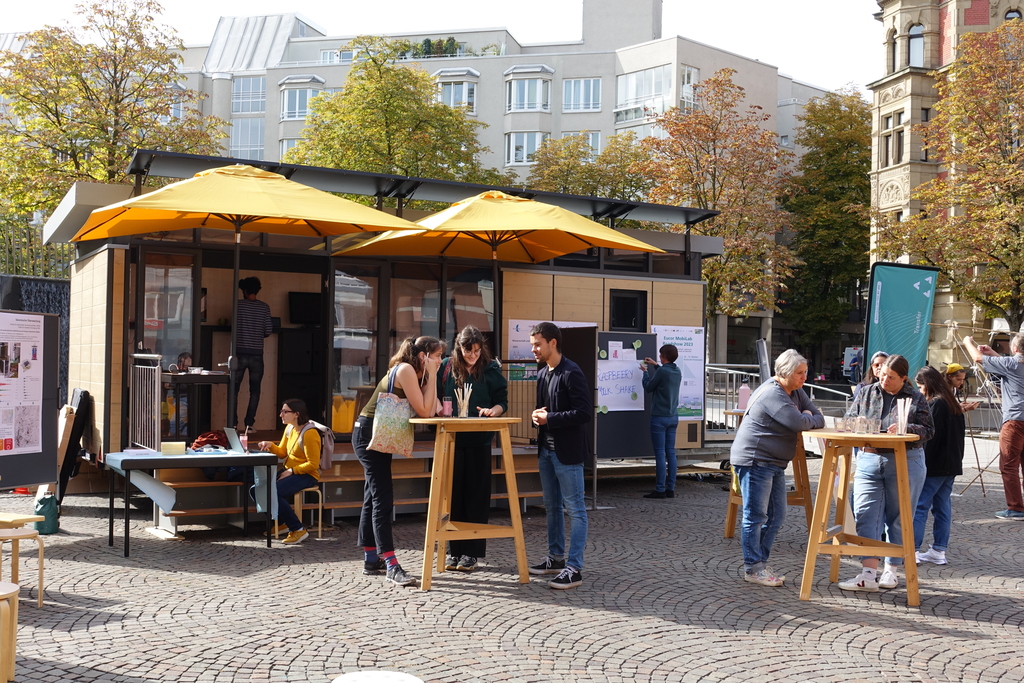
(548, 566)
(276, 530)
(777, 575)
(1010, 514)
(451, 562)
(860, 583)
(374, 568)
(570, 577)
(888, 579)
(397, 576)
(670, 494)
(466, 563)
(763, 577)
(934, 556)
(655, 494)
(294, 537)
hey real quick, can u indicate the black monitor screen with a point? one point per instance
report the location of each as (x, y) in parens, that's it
(304, 308)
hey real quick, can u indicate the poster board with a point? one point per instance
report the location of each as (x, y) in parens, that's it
(519, 337)
(690, 342)
(900, 302)
(623, 432)
(29, 360)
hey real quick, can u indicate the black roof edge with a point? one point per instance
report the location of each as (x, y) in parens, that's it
(181, 165)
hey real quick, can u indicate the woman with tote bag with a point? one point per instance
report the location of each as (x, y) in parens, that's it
(383, 428)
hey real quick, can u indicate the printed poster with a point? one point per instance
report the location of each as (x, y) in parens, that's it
(21, 383)
(690, 342)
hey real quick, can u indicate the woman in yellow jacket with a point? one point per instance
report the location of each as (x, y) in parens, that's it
(301, 467)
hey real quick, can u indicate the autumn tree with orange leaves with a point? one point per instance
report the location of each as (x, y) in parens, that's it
(719, 156)
(973, 225)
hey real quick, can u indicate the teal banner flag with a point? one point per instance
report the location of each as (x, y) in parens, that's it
(899, 311)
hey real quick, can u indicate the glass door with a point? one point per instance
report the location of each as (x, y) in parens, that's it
(355, 342)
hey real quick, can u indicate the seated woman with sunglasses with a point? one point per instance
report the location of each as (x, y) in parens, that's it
(301, 467)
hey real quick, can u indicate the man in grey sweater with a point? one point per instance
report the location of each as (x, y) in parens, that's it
(765, 443)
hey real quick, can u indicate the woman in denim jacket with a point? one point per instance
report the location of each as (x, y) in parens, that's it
(875, 494)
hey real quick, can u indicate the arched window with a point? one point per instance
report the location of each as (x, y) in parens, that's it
(893, 53)
(1013, 14)
(915, 46)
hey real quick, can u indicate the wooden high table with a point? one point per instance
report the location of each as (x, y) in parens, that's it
(440, 527)
(832, 540)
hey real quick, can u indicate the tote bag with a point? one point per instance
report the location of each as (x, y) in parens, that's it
(392, 431)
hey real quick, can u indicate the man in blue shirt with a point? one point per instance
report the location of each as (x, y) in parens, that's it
(663, 385)
(1010, 369)
(564, 407)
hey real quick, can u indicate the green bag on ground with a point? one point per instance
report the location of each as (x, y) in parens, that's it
(48, 508)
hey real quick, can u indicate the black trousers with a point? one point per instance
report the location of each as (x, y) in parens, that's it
(378, 490)
(254, 364)
(471, 496)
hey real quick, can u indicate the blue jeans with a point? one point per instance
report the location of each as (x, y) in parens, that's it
(663, 438)
(286, 488)
(934, 495)
(875, 495)
(563, 493)
(763, 487)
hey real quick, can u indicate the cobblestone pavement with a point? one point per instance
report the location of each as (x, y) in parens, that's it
(663, 600)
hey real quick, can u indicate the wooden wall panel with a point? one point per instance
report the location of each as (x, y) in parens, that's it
(677, 303)
(579, 299)
(525, 296)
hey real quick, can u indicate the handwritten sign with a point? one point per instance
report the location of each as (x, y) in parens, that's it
(619, 386)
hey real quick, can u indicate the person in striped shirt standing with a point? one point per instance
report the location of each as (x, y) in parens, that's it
(254, 325)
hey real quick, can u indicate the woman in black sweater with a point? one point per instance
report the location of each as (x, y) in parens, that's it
(944, 454)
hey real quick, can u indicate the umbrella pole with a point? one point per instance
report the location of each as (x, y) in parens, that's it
(232, 392)
(496, 295)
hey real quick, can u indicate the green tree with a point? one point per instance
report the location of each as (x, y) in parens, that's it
(972, 228)
(569, 165)
(79, 101)
(829, 201)
(388, 120)
(717, 157)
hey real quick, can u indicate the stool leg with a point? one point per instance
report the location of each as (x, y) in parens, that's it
(39, 540)
(5, 636)
(14, 560)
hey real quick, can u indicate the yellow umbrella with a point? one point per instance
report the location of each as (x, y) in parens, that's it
(497, 226)
(237, 198)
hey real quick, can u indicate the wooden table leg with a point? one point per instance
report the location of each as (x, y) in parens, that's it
(445, 513)
(732, 508)
(39, 541)
(907, 525)
(433, 509)
(819, 521)
(110, 516)
(15, 546)
(801, 480)
(508, 464)
(845, 463)
(127, 508)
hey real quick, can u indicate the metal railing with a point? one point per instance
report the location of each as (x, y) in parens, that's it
(144, 402)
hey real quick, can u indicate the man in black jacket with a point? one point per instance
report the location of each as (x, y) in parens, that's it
(563, 409)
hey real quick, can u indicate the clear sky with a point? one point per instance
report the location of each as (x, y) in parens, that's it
(827, 43)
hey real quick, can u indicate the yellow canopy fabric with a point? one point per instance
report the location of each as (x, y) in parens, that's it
(237, 197)
(494, 225)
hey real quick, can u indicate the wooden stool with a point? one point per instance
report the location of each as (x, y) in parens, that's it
(297, 503)
(800, 495)
(15, 536)
(8, 629)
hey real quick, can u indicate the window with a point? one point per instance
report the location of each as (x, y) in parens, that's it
(899, 118)
(887, 123)
(628, 310)
(1013, 14)
(295, 103)
(915, 46)
(687, 92)
(247, 138)
(784, 140)
(886, 148)
(897, 152)
(645, 130)
(528, 94)
(520, 147)
(893, 53)
(641, 94)
(249, 95)
(582, 94)
(286, 145)
(593, 137)
(458, 94)
(926, 115)
(336, 56)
